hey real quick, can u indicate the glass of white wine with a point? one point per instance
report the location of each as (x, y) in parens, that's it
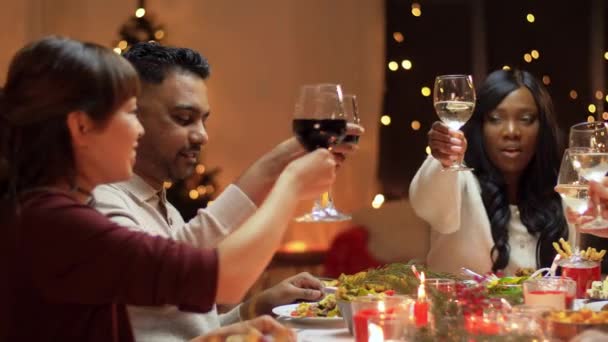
(588, 150)
(454, 101)
(573, 189)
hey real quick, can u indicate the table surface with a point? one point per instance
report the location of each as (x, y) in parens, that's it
(330, 331)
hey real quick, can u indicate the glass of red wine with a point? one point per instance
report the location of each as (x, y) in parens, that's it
(320, 122)
(351, 108)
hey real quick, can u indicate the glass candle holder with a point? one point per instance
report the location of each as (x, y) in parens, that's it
(367, 307)
(555, 292)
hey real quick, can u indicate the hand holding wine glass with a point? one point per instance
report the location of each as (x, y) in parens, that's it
(588, 150)
(320, 122)
(454, 101)
(447, 146)
(574, 192)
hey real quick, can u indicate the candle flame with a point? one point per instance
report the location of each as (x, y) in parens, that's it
(375, 333)
(381, 307)
(415, 271)
(421, 292)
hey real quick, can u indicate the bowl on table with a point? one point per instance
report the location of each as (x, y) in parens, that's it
(566, 324)
(347, 313)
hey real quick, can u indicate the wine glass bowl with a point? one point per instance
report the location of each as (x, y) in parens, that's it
(588, 151)
(351, 109)
(454, 102)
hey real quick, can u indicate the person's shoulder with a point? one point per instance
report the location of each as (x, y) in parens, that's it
(48, 201)
(113, 194)
(110, 190)
(57, 209)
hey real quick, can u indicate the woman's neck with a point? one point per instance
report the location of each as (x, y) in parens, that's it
(512, 183)
(81, 191)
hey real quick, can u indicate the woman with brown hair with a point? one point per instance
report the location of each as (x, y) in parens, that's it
(68, 123)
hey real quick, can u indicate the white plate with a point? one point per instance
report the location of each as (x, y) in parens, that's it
(330, 289)
(284, 311)
(596, 306)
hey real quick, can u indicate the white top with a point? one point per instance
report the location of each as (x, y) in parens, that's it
(138, 206)
(522, 243)
(460, 230)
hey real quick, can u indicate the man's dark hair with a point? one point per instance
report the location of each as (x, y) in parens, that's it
(154, 61)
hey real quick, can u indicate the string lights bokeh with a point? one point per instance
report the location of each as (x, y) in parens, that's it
(518, 35)
(139, 28)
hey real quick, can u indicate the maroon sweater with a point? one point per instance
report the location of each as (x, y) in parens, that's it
(68, 272)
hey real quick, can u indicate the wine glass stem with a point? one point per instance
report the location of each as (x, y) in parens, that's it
(325, 200)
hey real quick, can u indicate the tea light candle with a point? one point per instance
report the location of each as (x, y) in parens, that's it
(375, 333)
(361, 318)
(475, 324)
(421, 307)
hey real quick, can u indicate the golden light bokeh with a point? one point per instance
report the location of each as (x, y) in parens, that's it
(201, 189)
(200, 169)
(167, 184)
(574, 94)
(160, 34)
(535, 54)
(416, 9)
(599, 94)
(530, 18)
(398, 37)
(426, 91)
(415, 125)
(296, 246)
(140, 12)
(591, 108)
(428, 150)
(605, 115)
(506, 67)
(385, 120)
(590, 118)
(393, 66)
(546, 80)
(406, 64)
(193, 194)
(528, 58)
(378, 201)
(117, 50)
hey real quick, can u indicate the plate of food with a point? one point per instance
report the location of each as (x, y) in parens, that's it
(509, 288)
(597, 306)
(598, 290)
(325, 310)
(566, 324)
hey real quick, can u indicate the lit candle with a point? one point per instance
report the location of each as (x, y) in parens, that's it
(421, 307)
(476, 324)
(361, 318)
(375, 333)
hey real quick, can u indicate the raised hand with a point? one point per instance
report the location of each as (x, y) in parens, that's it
(446, 145)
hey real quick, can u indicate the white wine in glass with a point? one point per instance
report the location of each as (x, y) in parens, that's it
(574, 191)
(454, 101)
(588, 147)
